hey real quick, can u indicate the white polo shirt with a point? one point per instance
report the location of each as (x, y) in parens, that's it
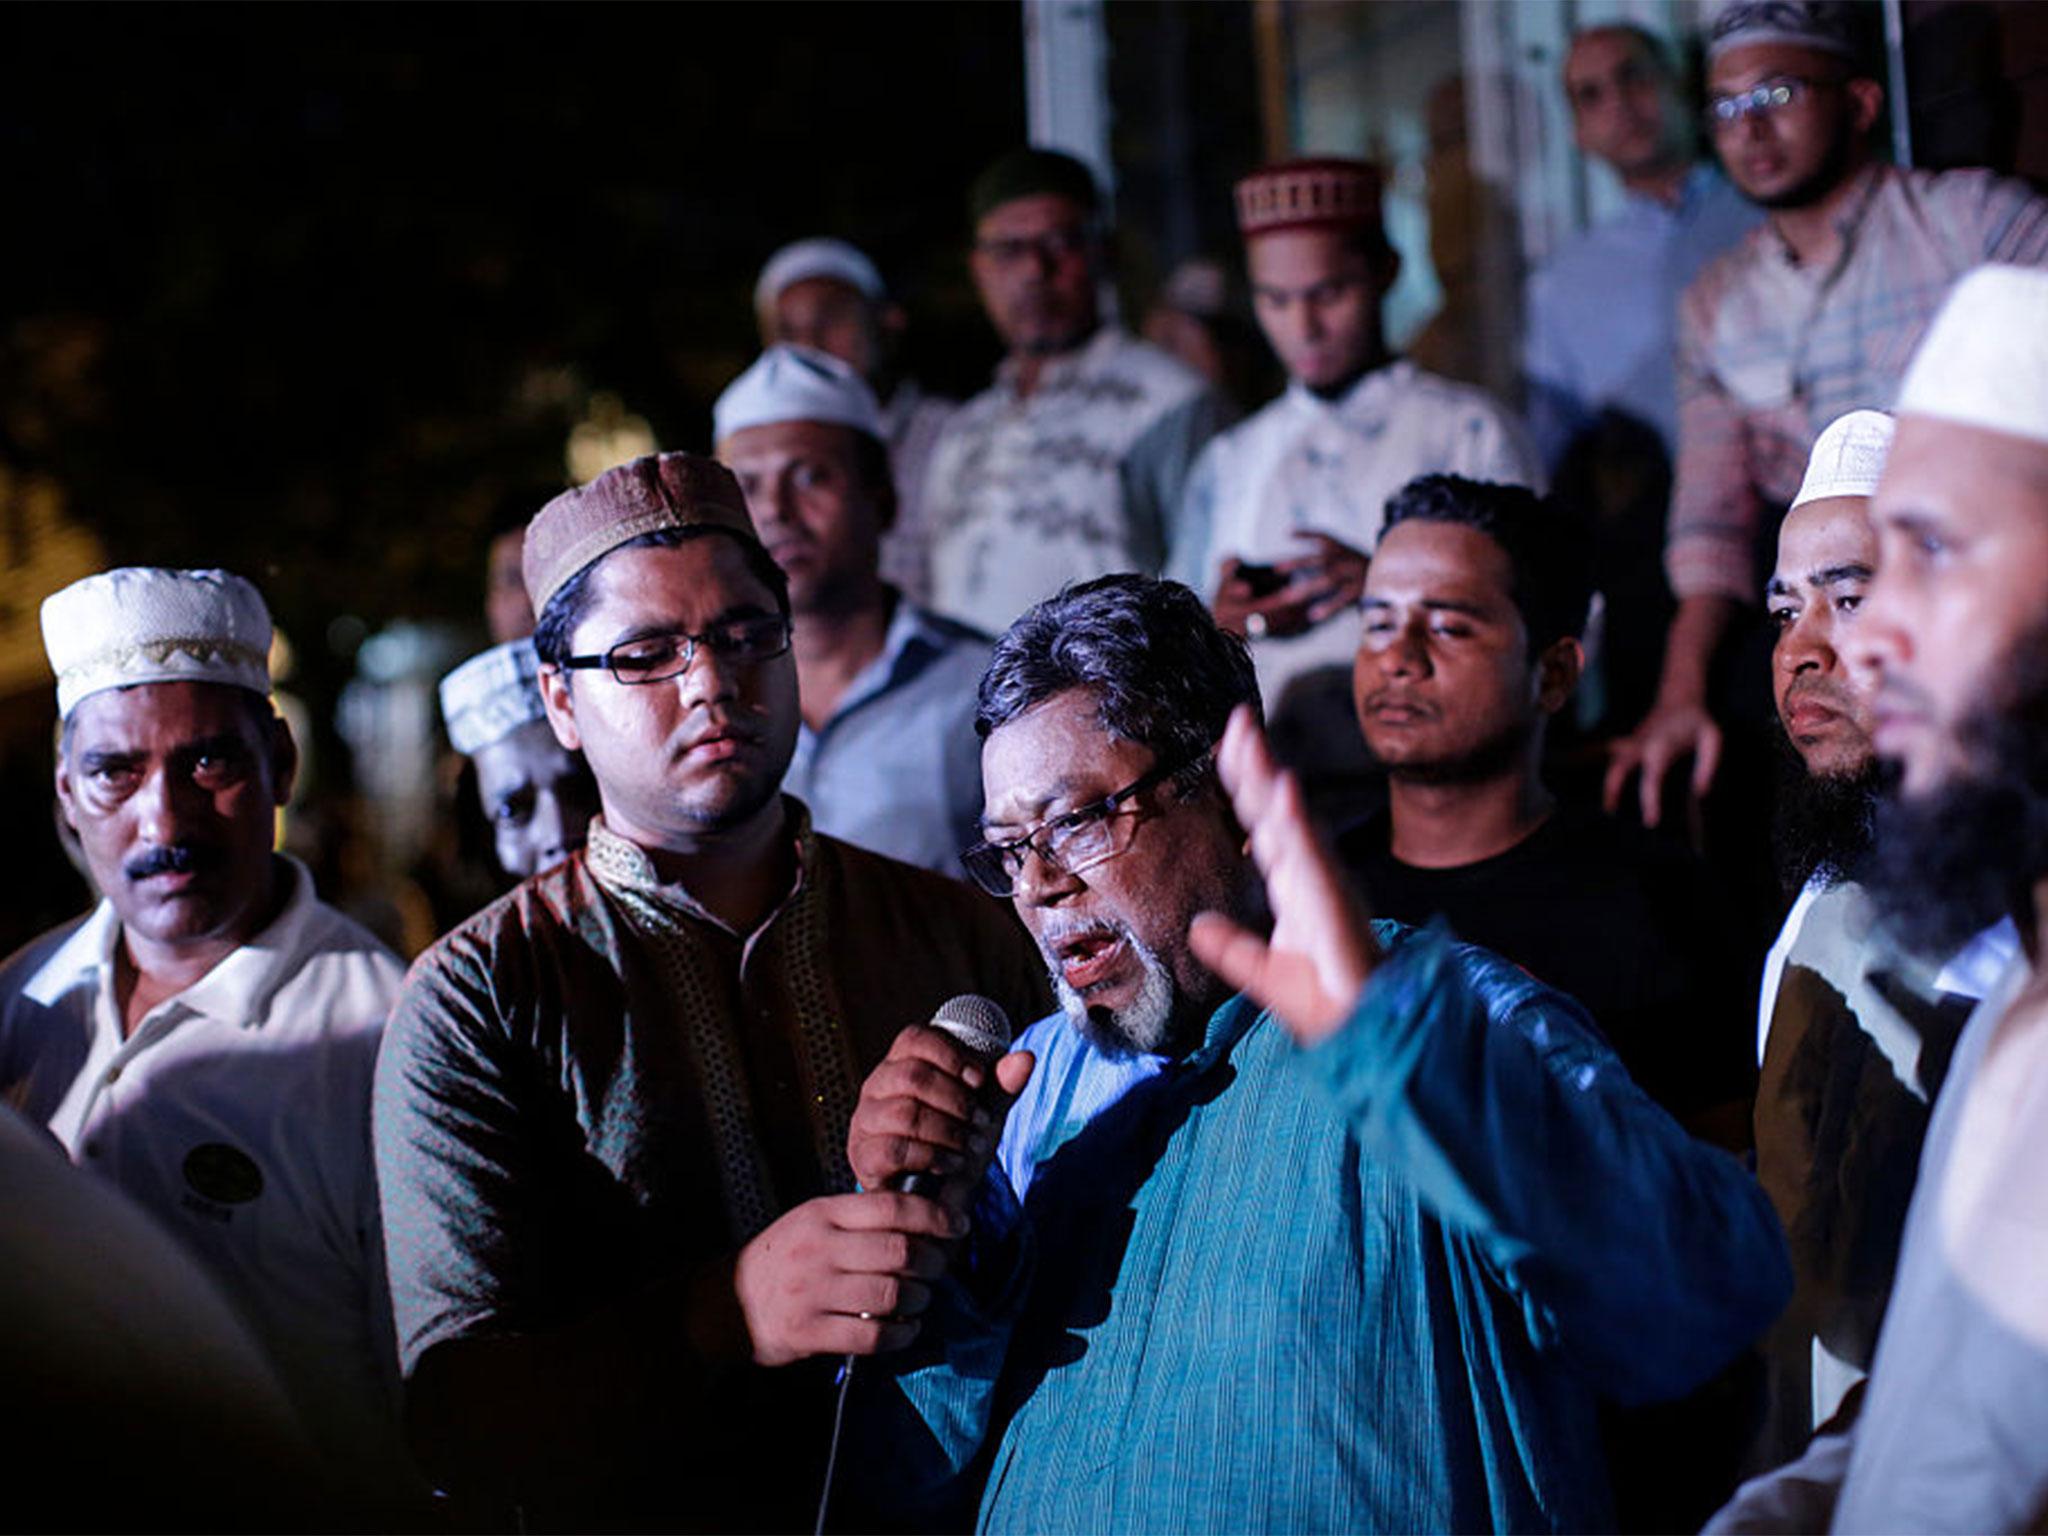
(238, 1114)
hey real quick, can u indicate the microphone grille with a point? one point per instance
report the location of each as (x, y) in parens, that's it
(978, 1024)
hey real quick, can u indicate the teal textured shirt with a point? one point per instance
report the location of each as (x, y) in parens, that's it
(1370, 1285)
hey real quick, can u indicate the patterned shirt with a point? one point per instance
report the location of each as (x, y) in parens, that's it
(594, 1085)
(1080, 477)
(1368, 1286)
(911, 423)
(1305, 464)
(1770, 352)
(897, 769)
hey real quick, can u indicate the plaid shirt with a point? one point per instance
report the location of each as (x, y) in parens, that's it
(1769, 352)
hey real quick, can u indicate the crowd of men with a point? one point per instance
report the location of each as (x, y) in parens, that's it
(1462, 1166)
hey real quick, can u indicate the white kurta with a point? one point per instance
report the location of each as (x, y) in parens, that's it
(238, 1114)
(1305, 464)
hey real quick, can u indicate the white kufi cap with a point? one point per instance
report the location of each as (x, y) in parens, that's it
(1848, 458)
(805, 259)
(491, 695)
(142, 624)
(796, 384)
(1984, 361)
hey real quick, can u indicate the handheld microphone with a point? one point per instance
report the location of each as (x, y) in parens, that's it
(983, 1029)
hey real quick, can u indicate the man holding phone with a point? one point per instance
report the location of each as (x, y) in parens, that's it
(1280, 508)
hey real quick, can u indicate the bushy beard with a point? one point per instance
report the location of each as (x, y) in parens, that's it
(1821, 823)
(1948, 864)
(1144, 1027)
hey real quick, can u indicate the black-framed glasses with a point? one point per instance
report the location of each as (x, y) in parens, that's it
(655, 658)
(1080, 839)
(1766, 96)
(1052, 247)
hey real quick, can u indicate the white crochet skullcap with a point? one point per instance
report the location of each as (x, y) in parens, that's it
(491, 695)
(789, 383)
(802, 260)
(1848, 458)
(1984, 360)
(143, 624)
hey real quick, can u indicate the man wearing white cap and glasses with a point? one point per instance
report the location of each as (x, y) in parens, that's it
(1813, 314)
(536, 794)
(887, 756)
(1953, 1429)
(205, 1037)
(827, 294)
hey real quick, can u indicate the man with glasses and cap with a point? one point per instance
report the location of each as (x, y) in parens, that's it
(205, 1037)
(1812, 315)
(611, 1111)
(886, 757)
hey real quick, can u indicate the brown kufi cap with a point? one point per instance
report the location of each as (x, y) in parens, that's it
(663, 490)
(1309, 194)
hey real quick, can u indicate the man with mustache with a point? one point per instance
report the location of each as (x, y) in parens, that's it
(1348, 1252)
(1813, 314)
(1473, 608)
(611, 1109)
(1074, 460)
(205, 1037)
(1953, 1428)
(886, 756)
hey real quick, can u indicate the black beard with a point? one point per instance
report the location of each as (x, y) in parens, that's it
(1948, 864)
(1491, 759)
(1828, 175)
(1821, 823)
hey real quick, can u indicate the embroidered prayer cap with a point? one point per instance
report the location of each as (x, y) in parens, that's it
(1827, 26)
(662, 490)
(1847, 458)
(1032, 172)
(790, 383)
(1984, 360)
(144, 624)
(1322, 193)
(491, 695)
(802, 260)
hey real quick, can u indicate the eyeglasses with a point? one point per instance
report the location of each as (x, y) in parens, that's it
(656, 658)
(1052, 247)
(1766, 96)
(1081, 839)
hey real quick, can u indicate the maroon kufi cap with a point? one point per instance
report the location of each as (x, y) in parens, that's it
(663, 490)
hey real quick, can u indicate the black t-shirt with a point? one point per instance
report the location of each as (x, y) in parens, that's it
(1630, 925)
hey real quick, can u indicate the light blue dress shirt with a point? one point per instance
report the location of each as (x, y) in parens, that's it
(1372, 1285)
(897, 769)
(1602, 323)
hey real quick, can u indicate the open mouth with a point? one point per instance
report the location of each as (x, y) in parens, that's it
(1088, 958)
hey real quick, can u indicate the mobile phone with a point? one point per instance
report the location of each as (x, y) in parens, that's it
(1262, 580)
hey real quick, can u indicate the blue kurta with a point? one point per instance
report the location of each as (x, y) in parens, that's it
(1371, 1285)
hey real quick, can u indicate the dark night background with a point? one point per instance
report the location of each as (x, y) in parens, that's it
(316, 293)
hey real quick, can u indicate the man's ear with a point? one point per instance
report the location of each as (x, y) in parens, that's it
(284, 760)
(1866, 100)
(64, 803)
(1558, 671)
(560, 704)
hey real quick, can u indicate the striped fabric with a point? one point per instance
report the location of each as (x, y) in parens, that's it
(1371, 1286)
(1769, 352)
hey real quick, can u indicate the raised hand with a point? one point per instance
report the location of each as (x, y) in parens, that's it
(1310, 971)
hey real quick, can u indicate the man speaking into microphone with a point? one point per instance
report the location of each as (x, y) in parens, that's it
(1301, 1222)
(611, 1111)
